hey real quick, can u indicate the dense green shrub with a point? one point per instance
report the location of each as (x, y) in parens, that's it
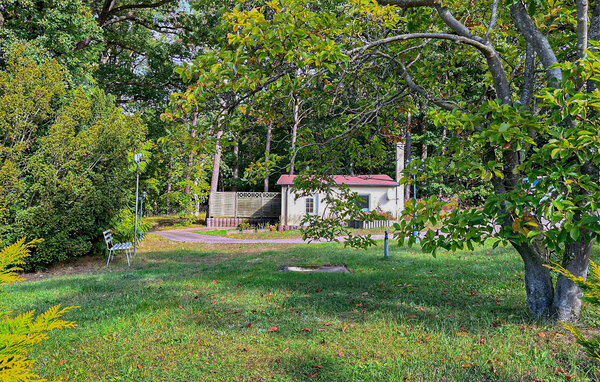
(65, 159)
(123, 227)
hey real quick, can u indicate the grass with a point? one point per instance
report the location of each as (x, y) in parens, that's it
(216, 232)
(191, 312)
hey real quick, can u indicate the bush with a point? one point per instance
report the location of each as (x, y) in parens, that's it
(123, 226)
(65, 157)
(20, 333)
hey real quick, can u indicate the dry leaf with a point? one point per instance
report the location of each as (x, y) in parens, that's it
(462, 334)
(466, 365)
(315, 374)
(305, 330)
(61, 362)
(273, 329)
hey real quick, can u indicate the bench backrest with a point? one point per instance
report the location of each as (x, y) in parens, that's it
(108, 238)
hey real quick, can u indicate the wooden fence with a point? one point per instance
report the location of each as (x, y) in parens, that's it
(256, 205)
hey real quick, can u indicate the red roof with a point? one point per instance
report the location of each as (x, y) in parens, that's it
(349, 180)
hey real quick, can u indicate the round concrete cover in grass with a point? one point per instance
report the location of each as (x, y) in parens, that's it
(315, 269)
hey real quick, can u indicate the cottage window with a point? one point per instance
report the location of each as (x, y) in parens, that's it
(364, 202)
(310, 205)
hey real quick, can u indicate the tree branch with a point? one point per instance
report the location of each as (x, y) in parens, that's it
(412, 36)
(495, 66)
(409, 3)
(539, 42)
(141, 6)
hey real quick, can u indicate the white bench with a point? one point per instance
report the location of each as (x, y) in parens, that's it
(113, 247)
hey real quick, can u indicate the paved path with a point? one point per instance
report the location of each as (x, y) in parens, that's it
(189, 235)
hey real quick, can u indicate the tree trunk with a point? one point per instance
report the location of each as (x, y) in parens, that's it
(538, 283)
(424, 144)
(407, 152)
(190, 161)
(567, 300)
(214, 181)
(294, 132)
(236, 165)
(267, 152)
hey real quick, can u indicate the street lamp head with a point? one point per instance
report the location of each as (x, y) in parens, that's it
(137, 158)
(144, 195)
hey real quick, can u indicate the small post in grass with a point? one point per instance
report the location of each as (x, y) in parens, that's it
(137, 158)
(386, 248)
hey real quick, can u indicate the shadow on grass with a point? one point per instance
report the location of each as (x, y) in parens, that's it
(474, 291)
(170, 297)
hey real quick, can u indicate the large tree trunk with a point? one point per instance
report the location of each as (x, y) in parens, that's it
(567, 300)
(267, 152)
(538, 283)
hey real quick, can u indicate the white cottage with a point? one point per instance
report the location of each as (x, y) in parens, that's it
(376, 191)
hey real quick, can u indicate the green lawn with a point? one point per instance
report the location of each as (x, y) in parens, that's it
(187, 312)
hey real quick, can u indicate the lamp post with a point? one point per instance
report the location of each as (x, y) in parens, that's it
(137, 158)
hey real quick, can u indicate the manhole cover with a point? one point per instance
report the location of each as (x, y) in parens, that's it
(315, 269)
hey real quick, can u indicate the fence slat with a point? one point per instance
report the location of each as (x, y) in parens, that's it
(245, 204)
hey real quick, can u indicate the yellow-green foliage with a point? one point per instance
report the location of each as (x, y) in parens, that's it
(591, 291)
(18, 334)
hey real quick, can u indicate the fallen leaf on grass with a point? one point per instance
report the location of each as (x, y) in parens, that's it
(61, 362)
(466, 365)
(462, 334)
(273, 329)
(328, 324)
(286, 349)
(305, 330)
(140, 366)
(321, 329)
(341, 354)
(541, 334)
(344, 327)
(313, 375)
